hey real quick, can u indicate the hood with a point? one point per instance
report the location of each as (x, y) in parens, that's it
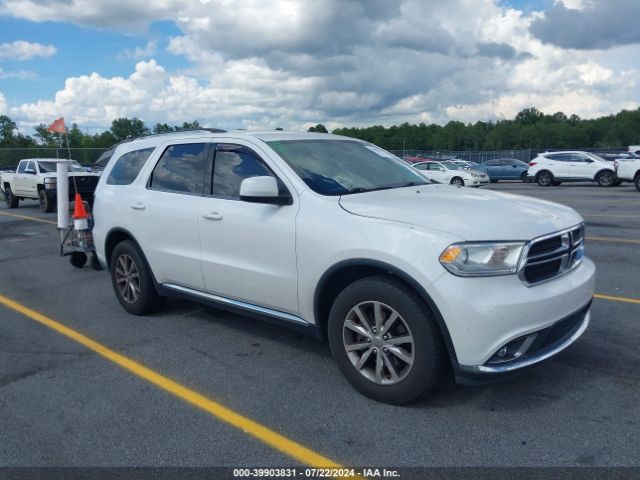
(464, 212)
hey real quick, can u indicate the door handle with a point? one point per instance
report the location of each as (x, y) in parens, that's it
(138, 206)
(212, 216)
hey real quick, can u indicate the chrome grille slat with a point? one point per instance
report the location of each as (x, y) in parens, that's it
(545, 265)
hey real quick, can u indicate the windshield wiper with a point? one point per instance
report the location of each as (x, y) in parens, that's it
(366, 189)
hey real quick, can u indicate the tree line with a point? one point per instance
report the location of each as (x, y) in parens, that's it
(529, 129)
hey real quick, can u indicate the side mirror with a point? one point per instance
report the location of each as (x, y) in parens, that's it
(262, 190)
(30, 171)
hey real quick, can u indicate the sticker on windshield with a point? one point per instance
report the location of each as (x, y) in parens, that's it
(379, 151)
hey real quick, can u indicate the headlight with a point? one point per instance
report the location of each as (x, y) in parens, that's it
(50, 183)
(482, 259)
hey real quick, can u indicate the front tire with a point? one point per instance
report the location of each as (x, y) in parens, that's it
(10, 199)
(385, 340)
(457, 182)
(606, 179)
(544, 178)
(47, 205)
(132, 281)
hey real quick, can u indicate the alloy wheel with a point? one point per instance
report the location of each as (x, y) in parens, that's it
(127, 278)
(378, 342)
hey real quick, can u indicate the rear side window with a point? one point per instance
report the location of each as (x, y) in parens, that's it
(181, 169)
(232, 164)
(127, 167)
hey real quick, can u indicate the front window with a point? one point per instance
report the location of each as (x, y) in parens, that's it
(50, 167)
(340, 167)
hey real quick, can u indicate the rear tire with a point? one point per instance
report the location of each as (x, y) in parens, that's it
(555, 184)
(10, 199)
(132, 281)
(523, 177)
(637, 182)
(47, 205)
(606, 179)
(407, 369)
(544, 178)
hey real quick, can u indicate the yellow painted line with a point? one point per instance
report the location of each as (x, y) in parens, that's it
(24, 217)
(258, 431)
(613, 239)
(617, 299)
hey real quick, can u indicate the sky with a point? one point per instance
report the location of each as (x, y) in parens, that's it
(262, 64)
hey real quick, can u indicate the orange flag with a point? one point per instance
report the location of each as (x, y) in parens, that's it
(57, 126)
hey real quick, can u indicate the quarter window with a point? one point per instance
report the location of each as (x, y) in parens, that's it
(232, 164)
(180, 169)
(127, 167)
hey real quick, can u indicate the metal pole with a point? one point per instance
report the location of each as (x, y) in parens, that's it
(62, 193)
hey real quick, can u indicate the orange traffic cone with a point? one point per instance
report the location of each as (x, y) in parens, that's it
(80, 215)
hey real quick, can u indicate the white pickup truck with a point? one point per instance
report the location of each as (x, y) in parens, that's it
(35, 178)
(628, 171)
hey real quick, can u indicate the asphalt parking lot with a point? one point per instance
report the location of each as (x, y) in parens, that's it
(62, 404)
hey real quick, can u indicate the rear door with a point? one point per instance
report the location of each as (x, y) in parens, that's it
(557, 164)
(164, 211)
(248, 249)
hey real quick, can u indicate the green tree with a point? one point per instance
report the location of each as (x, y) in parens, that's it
(319, 128)
(162, 128)
(123, 128)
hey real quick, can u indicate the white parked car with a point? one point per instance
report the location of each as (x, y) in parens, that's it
(340, 239)
(629, 171)
(451, 173)
(553, 168)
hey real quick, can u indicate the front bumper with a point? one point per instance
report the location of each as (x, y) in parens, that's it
(539, 346)
(482, 315)
(478, 181)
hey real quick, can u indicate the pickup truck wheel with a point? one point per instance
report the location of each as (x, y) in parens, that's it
(132, 281)
(457, 182)
(636, 182)
(47, 205)
(10, 199)
(606, 179)
(544, 178)
(385, 340)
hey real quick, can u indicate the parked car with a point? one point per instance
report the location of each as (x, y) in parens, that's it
(553, 168)
(451, 173)
(400, 276)
(635, 150)
(35, 178)
(416, 159)
(504, 169)
(629, 171)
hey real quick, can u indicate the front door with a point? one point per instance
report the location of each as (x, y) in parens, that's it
(248, 249)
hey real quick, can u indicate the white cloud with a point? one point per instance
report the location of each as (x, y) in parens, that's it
(20, 74)
(292, 63)
(22, 50)
(3, 104)
(140, 53)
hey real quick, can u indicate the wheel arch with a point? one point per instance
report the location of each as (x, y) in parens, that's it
(337, 277)
(120, 234)
(602, 170)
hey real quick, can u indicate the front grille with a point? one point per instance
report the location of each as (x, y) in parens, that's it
(84, 184)
(553, 255)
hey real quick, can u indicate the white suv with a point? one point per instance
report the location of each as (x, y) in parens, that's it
(553, 168)
(341, 239)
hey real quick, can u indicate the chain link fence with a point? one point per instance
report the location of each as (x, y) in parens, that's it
(10, 157)
(470, 156)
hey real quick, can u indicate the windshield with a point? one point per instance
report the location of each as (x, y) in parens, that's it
(451, 165)
(339, 167)
(50, 167)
